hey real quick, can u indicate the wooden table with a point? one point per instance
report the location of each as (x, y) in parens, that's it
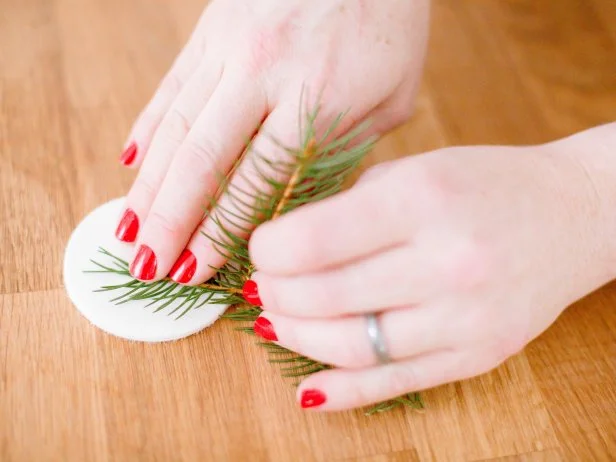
(74, 74)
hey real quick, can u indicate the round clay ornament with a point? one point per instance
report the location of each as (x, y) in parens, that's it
(132, 320)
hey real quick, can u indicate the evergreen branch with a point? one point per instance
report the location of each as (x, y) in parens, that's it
(162, 294)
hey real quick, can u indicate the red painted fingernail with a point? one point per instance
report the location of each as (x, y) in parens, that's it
(251, 293)
(312, 398)
(129, 154)
(128, 227)
(184, 268)
(144, 264)
(264, 329)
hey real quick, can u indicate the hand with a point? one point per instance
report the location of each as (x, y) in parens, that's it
(248, 63)
(466, 254)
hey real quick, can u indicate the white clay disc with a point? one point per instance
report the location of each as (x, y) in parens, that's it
(131, 320)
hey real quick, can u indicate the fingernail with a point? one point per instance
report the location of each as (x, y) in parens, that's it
(128, 227)
(144, 264)
(264, 329)
(312, 398)
(251, 293)
(184, 268)
(129, 154)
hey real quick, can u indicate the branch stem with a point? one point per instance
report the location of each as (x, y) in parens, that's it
(309, 151)
(232, 290)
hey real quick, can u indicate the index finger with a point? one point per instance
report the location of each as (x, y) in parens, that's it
(348, 226)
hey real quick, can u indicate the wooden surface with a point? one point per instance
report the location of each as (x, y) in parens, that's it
(74, 74)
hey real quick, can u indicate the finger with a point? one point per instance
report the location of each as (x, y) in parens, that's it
(342, 389)
(169, 136)
(210, 148)
(344, 342)
(173, 82)
(235, 210)
(342, 228)
(402, 276)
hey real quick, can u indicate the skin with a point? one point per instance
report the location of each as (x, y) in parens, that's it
(476, 251)
(471, 252)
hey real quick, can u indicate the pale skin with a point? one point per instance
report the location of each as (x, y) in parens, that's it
(466, 253)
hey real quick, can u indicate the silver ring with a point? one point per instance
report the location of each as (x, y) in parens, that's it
(376, 339)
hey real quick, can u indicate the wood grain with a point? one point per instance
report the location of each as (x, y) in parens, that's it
(73, 76)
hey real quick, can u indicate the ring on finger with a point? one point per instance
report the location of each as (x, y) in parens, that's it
(377, 340)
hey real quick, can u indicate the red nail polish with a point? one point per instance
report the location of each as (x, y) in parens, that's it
(184, 268)
(312, 398)
(129, 154)
(144, 264)
(264, 329)
(128, 227)
(251, 293)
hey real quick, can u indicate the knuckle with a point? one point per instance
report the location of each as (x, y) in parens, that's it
(330, 349)
(264, 49)
(352, 354)
(176, 125)
(199, 158)
(468, 266)
(360, 393)
(400, 379)
(165, 222)
(144, 187)
(172, 83)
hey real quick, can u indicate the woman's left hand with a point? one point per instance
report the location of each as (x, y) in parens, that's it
(466, 255)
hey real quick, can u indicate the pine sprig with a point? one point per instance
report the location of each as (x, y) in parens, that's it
(164, 293)
(313, 171)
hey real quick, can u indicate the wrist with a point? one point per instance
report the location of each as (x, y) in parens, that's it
(591, 158)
